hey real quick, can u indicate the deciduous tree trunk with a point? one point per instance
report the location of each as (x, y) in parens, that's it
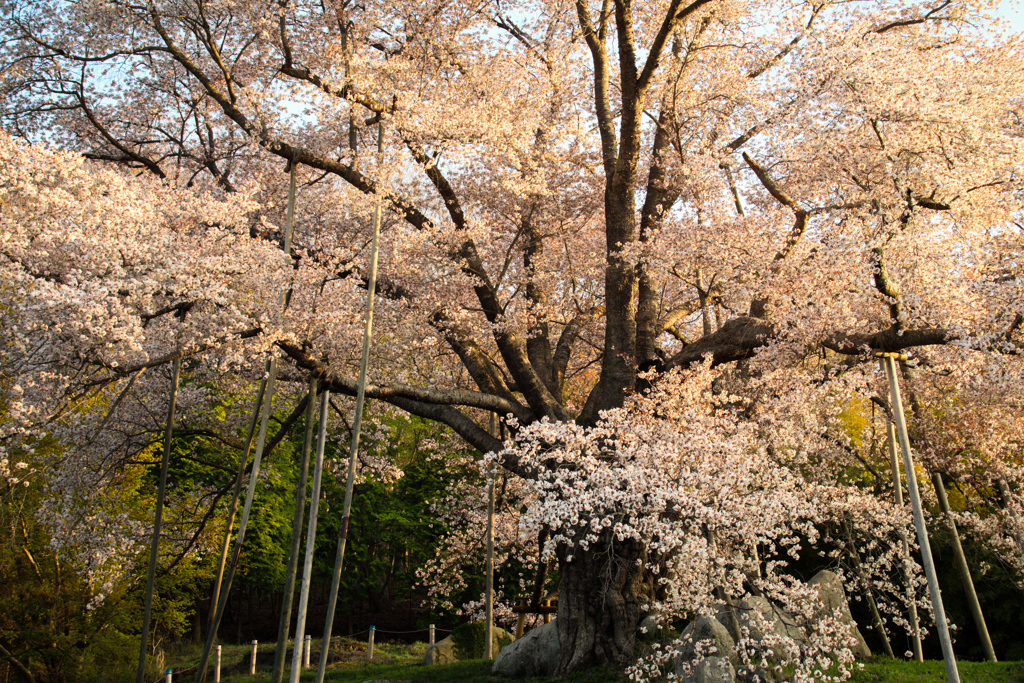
(601, 602)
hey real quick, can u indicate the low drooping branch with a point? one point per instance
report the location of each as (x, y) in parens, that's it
(389, 393)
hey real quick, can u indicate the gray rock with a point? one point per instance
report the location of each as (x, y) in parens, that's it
(707, 629)
(710, 670)
(830, 590)
(445, 652)
(781, 622)
(535, 654)
(755, 674)
(651, 629)
(441, 652)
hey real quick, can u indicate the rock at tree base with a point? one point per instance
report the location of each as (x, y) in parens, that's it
(830, 590)
(711, 630)
(708, 670)
(441, 652)
(780, 622)
(445, 651)
(535, 654)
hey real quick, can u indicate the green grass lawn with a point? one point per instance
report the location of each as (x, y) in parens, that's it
(400, 663)
(935, 672)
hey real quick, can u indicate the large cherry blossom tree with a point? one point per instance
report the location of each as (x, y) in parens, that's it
(581, 196)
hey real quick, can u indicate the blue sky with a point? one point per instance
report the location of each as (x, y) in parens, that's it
(1011, 10)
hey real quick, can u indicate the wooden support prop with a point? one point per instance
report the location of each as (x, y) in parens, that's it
(284, 627)
(868, 595)
(252, 660)
(314, 507)
(489, 564)
(897, 485)
(952, 673)
(430, 642)
(265, 410)
(158, 518)
(339, 558)
(216, 669)
(369, 643)
(965, 571)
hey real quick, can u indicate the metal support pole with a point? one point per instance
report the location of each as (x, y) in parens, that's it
(307, 570)
(161, 489)
(339, 559)
(965, 571)
(894, 464)
(922, 531)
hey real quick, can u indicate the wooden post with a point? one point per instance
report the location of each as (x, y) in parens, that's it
(285, 626)
(161, 489)
(339, 558)
(252, 660)
(169, 675)
(965, 572)
(868, 595)
(271, 374)
(430, 637)
(301, 639)
(305, 652)
(897, 485)
(369, 643)
(521, 620)
(489, 590)
(216, 669)
(922, 531)
(235, 496)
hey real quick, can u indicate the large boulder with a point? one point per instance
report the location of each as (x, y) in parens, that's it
(833, 597)
(757, 611)
(716, 642)
(710, 670)
(441, 652)
(466, 642)
(535, 654)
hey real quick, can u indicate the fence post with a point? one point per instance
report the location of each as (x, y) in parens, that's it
(431, 641)
(370, 643)
(216, 670)
(169, 672)
(252, 662)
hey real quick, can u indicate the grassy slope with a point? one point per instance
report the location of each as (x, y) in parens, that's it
(401, 663)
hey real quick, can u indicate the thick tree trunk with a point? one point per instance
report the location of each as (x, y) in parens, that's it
(600, 603)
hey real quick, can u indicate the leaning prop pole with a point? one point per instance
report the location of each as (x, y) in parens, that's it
(288, 596)
(147, 610)
(894, 464)
(307, 569)
(236, 495)
(339, 558)
(965, 570)
(264, 409)
(941, 626)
